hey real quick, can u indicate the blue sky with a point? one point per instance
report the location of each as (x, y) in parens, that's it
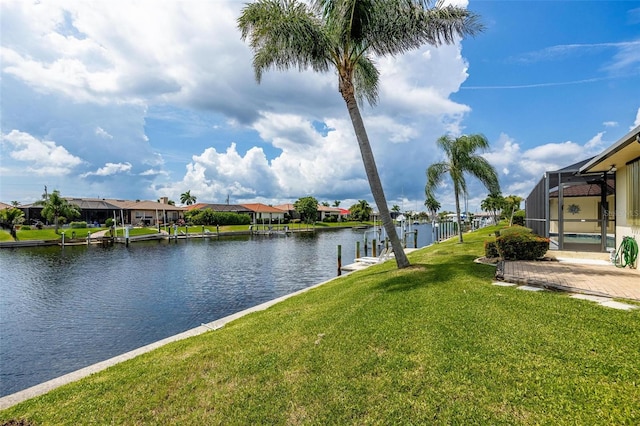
(139, 100)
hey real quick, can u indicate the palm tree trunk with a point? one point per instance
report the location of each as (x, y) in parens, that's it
(458, 213)
(374, 180)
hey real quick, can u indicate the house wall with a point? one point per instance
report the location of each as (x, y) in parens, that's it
(588, 210)
(623, 227)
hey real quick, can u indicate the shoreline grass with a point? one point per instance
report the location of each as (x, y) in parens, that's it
(432, 344)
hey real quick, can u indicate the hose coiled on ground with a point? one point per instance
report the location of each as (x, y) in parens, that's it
(627, 253)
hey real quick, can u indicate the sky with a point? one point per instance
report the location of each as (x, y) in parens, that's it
(144, 99)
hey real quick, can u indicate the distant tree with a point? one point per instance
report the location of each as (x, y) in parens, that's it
(307, 207)
(395, 208)
(494, 203)
(15, 203)
(512, 205)
(433, 206)
(57, 209)
(462, 158)
(325, 203)
(361, 211)
(336, 203)
(187, 198)
(9, 218)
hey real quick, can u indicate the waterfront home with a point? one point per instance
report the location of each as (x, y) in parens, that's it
(622, 160)
(262, 213)
(221, 208)
(131, 212)
(590, 205)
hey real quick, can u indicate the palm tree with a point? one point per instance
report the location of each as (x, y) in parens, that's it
(56, 208)
(344, 35)
(462, 158)
(493, 203)
(187, 198)
(512, 202)
(336, 203)
(433, 206)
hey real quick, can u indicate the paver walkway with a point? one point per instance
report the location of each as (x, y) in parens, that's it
(599, 280)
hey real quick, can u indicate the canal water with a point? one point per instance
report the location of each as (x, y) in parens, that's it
(62, 309)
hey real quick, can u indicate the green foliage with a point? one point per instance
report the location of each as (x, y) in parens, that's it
(57, 209)
(11, 216)
(521, 246)
(361, 211)
(187, 198)
(330, 219)
(210, 217)
(518, 217)
(516, 229)
(25, 228)
(78, 225)
(462, 157)
(307, 207)
(491, 249)
(109, 222)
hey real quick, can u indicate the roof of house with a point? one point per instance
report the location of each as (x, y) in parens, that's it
(328, 209)
(5, 206)
(232, 208)
(624, 150)
(586, 190)
(263, 208)
(286, 207)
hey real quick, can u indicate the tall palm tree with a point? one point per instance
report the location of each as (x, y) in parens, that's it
(512, 202)
(462, 158)
(344, 35)
(187, 198)
(433, 206)
(56, 208)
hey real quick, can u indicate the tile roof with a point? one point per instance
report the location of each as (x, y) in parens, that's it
(263, 208)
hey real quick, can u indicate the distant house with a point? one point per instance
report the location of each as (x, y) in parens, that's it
(592, 204)
(290, 210)
(325, 212)
(261, 213)
(223, 208)
(98, 210)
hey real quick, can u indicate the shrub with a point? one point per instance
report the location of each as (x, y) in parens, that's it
(515, 229)
(518, 218)
(490, 249)
(108, 223)
(527, 246)
(26, 228)
(78, 225)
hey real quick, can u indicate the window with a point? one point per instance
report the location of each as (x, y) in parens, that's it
(633, 192)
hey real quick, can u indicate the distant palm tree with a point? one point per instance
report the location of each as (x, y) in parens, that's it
(512, 202)
(187, 198)
(493, 203)
(57, 208)
(433, 206)
(462, 158)
(345, 35)
(336, 203)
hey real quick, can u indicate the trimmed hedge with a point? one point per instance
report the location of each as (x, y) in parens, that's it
(521, 246)
(491, 249)
(78, 225)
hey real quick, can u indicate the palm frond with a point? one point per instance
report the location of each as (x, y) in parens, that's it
(365, 79)
(284, 34)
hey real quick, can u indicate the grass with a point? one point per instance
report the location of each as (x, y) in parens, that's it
(432, 344)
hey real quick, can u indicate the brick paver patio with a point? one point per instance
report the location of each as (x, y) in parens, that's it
(600, 280)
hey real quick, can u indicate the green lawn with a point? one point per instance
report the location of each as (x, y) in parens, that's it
(432, 344)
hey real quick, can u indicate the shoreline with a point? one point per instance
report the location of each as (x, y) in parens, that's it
(15, 398)
(161, 236)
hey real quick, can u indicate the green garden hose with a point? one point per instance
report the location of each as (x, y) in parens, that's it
(627, 253)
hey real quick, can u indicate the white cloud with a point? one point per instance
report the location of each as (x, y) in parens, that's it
(636, 123)
(610, 124)
(110, 169)
(43, 156)
(103, 133)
